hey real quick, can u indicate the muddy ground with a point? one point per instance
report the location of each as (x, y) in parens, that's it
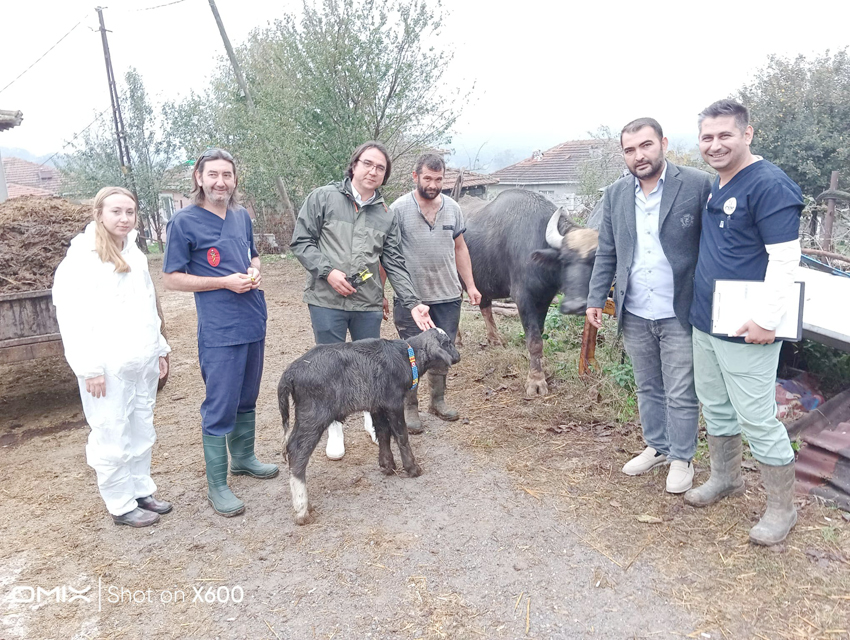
(520, 526)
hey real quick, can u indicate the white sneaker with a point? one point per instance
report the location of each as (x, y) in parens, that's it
(680, 478)
(648, 459)
(370, 429)
(336, 444)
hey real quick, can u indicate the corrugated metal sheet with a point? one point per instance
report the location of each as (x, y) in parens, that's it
(823, 466)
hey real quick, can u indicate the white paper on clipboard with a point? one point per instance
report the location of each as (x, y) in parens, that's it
(736, 301)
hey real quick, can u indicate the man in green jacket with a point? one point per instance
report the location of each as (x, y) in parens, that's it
(343, 234)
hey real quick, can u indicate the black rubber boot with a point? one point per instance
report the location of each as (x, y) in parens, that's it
(438, 398)
(152, 504)
(240, 441)
(137, 518)
(219, 494)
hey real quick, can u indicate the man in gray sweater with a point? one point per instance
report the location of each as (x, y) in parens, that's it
(649, 240)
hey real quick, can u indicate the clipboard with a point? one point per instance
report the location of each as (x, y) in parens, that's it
(734, 302)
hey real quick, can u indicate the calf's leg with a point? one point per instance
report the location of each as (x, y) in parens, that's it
(385, 453)
(299, 447)
(399, 431)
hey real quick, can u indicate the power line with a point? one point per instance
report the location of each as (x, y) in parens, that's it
(45, 53)
(71, 30)
(77, 135)
(160, 6)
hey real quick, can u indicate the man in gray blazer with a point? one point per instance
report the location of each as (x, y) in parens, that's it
(649, 239)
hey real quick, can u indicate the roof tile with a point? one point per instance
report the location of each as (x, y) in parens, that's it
(29, 174)
(561, 163)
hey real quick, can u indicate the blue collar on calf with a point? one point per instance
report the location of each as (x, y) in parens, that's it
(413, 367)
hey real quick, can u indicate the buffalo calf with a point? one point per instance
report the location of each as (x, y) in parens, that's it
(331, 381)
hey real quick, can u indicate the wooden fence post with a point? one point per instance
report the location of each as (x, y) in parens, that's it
(829, 218)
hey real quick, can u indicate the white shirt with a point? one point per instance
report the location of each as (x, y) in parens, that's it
(359, 199)
(649, 294)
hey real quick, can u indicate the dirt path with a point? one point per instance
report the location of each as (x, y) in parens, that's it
(474, 548)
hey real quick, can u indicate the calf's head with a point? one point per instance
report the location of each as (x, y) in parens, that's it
(434, 350)
(571, 254)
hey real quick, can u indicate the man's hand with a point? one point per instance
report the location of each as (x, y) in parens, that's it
(256, 278)
(96, 386)
(336, 279)
(421, 317)
(756, 334)
(386, 306)
(238, 282)
(594, 315)
(163, 367)
(474, 296)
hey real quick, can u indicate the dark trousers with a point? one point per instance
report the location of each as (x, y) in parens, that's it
(446, 315)
(232, 376)
(331, 325)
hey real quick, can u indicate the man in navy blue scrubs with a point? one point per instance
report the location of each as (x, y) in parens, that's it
(750, 231)
(210, 251)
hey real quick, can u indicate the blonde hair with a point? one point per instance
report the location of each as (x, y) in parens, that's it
(106, 249)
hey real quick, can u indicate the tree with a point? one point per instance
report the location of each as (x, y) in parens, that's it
(344, 73)
(688, 157)
(93, 162)
(800, 110)
(604, 166)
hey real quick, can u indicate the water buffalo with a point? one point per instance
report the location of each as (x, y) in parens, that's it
(523, 247)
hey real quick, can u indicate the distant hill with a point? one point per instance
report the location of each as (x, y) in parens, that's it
(23, 154)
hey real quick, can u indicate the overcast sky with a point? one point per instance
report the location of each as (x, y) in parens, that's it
(545, 72)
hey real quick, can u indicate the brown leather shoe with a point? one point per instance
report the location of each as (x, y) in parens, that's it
(137, 518)
(152, 504)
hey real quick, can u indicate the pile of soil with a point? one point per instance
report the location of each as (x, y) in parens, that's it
(35, 233)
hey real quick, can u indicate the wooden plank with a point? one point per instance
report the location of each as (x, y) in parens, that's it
(27, 316)
(20, 342)
(24, 295)
(587, 356)
(20, 353)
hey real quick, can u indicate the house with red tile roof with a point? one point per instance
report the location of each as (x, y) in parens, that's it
(554, 173)
(472, 184)
(29, 178)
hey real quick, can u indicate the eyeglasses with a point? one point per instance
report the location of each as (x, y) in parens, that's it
(379, 168)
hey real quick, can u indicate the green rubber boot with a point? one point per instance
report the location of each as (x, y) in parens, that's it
(243, 462)
(220, 496)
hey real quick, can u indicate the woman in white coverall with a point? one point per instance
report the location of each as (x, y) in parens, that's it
(106, 307)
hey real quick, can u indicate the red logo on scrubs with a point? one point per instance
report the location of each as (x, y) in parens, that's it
(213, 257)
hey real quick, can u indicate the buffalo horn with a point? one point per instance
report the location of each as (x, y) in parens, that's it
(553, 236)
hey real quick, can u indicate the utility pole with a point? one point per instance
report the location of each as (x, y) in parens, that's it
(285, 202)
(120, 133)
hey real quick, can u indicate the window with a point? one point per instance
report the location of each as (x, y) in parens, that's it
(166, 204)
